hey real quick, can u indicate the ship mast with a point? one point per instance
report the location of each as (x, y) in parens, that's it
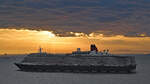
(40, 50)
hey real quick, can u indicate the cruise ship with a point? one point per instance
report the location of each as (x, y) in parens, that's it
(78, 61)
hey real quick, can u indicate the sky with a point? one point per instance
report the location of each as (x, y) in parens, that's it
(119, 25)
(14, 41)
(110, 17)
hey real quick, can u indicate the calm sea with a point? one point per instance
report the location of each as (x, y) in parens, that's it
(10, 75)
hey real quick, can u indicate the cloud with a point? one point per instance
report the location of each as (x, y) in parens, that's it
(129, 18)
(28, 41)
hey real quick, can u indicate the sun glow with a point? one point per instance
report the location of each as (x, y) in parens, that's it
(47, 33)
(14, 41)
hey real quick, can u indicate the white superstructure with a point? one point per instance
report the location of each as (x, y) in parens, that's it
(93, 52)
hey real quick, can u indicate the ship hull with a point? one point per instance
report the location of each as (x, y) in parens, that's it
(75, 68)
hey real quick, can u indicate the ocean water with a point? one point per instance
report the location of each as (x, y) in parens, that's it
(9, 74)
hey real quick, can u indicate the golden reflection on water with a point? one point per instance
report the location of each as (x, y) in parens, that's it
(14, 41)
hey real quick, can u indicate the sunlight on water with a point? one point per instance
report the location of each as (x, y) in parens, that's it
(14, 41)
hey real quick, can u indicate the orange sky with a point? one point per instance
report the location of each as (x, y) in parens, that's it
(14, 41)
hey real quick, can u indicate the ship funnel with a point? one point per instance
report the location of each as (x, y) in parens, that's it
(94, 48)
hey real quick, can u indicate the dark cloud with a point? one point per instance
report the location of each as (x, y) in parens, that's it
(127, 17)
